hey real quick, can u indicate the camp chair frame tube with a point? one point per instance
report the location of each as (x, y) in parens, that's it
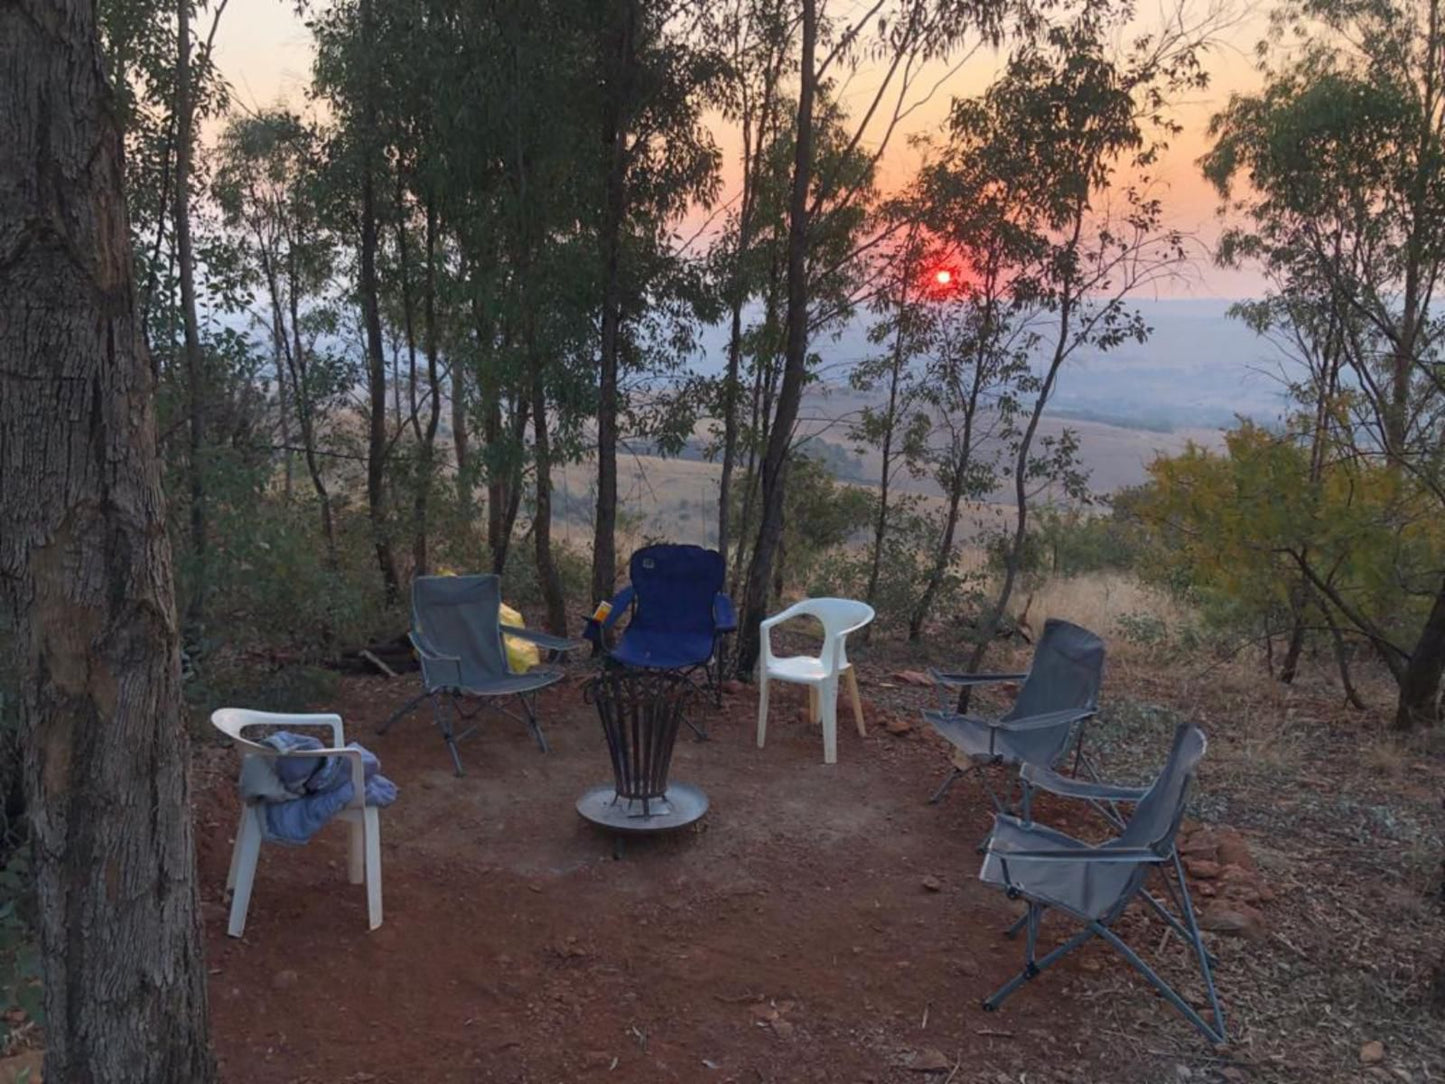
(1094, 884)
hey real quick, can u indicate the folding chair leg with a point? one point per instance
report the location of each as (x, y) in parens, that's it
(1214, 1035)
(444, 724)
(1033, 967)
(942, 791)
(405, 709)
(529, 705)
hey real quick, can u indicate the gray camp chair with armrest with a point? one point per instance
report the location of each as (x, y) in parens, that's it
(457, 631)
(1059, 693)
(1095, 883)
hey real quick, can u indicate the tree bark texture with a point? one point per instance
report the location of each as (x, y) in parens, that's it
(85, 567)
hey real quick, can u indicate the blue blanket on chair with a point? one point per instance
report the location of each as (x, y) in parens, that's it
(302, 793)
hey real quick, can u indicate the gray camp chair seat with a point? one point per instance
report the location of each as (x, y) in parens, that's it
(457, 631)
(1058, 694)
(1095, 883)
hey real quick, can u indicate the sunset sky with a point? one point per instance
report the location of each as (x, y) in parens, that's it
(264, 51)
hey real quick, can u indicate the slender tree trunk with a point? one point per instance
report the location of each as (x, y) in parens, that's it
(376, 447)
(775, 462)
(548, 578)
(85, 570)
(622, 46)
(305, 408)
(942, 558)
(283, 401)
(885, 474)
(194, 365)
(1021, 496)
(428, 436)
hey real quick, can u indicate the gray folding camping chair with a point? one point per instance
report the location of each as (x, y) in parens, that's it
(1095, 883)
(457, 632)
(1059, 693)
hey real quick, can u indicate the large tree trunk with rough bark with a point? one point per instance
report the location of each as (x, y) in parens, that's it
(790, 396)
(85, 568)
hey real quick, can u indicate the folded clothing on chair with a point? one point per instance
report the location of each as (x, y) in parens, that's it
(300, 793)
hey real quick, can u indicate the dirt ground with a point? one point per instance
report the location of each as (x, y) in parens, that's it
(822, 924)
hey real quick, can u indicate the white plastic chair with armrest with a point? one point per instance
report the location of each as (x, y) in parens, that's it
(839, 617)
(364, 820)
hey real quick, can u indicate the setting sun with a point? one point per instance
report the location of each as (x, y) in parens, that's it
(943, 277)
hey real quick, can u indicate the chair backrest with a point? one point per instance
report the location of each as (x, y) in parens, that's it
(676, 588)
(1158, 814)
(233, 722)
(839, 617)
(461, 616)
(1066, 673)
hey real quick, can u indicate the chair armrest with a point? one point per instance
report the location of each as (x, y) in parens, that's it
(620, 602)
(1046, 779)
(724, 614)
(1048, 719)
(960, 681)
(1131, 856)
(544, 639)
(437, 670)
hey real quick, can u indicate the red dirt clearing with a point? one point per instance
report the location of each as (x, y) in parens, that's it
(789, 938)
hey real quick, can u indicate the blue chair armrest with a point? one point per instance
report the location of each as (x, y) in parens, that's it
(724, 613)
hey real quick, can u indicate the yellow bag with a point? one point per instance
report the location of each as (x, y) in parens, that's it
(522, 655)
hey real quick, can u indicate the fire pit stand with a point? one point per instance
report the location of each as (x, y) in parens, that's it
(641, 711)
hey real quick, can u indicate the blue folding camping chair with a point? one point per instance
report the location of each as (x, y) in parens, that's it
(678, 614)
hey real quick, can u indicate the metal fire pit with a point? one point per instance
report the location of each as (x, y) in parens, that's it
(641, 712)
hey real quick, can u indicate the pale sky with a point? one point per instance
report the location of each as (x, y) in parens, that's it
(263, 49)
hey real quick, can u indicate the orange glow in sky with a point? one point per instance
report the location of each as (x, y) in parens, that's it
(263, 49)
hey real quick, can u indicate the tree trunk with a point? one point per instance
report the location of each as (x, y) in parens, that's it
(283, 398)
(775, 462)
(547, 577)
(376, 447)
(85, 567)
(941, 560)
(880, 525)
(195, 377)
(614, 213)
(428, 437)
(1021, 501)
(1419, 703)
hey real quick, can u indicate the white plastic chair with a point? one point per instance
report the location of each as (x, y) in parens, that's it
(365, 860)
(839, 617)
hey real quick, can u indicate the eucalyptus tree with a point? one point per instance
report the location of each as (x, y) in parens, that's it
(756, 41)
(898, 38)
(1342, 150)
(266, 186)
(897, 427)
(653, 69)
(350, 37)
(1045, 141)
(85, 574)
